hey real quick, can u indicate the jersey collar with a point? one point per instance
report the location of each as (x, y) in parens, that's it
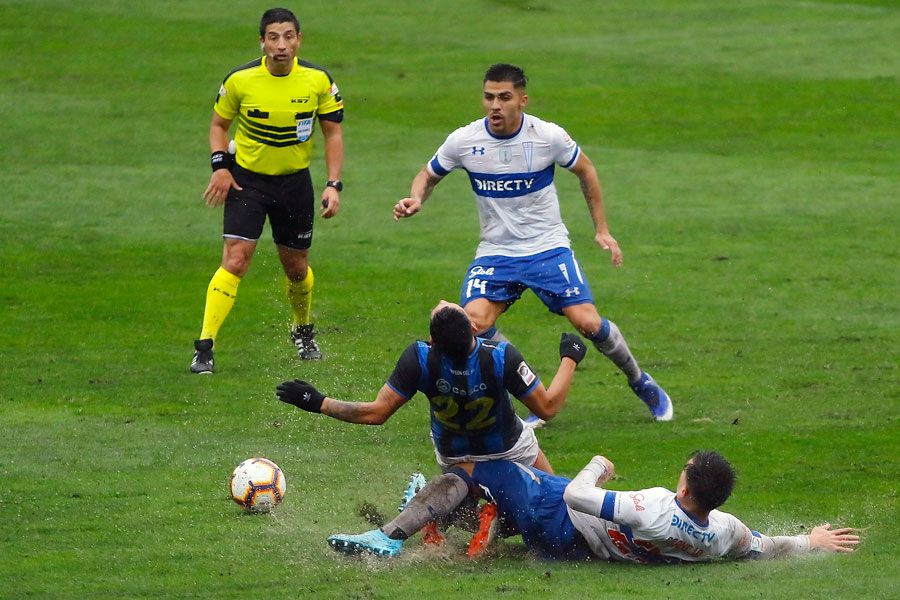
(296, 64)
(487, 128)
(691, 516)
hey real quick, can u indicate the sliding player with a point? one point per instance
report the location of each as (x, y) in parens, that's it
(575, 519)
(468, 382)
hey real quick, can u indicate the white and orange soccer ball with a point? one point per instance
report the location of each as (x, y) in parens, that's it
(258, 485)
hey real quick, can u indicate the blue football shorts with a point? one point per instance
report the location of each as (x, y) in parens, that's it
(553, 275)
(532, 501)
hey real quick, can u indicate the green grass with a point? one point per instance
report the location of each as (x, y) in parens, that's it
(748, 152)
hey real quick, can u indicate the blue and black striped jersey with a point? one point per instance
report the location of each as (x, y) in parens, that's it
(471, 409)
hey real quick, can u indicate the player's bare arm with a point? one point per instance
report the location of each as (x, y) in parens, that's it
(422, 186)
(546, 403)
(221, 181)
(306, 397)
(334, 163)
(365, 413)
(593, 195)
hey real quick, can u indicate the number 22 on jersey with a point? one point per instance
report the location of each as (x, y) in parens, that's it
(475, 414)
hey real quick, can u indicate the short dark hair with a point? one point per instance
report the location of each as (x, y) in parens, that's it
(451, 333)
(710, 479)
(277, 15)
(507, 72)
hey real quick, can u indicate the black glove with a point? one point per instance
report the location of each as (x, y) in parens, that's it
(300, 394)
(572, 346)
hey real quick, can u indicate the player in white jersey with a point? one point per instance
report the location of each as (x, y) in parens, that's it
(657, 525)
(575, 519)
(511, 158)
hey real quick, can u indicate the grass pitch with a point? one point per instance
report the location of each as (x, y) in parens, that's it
(748, 153)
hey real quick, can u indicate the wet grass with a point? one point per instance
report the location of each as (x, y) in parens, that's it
(748, 153)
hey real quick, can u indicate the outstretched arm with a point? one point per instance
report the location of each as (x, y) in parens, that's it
(590, 188)
(822, 538)
(422, 186)
(306, 397)
(367, 413)
(842, 539)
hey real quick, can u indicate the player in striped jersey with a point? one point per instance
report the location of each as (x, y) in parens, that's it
(275, 102)
(510, 158)
(468, 382)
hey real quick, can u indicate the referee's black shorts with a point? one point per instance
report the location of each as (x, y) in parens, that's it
(286, 199)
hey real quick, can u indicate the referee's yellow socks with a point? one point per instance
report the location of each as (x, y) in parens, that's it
(299, 294)
(220, 297)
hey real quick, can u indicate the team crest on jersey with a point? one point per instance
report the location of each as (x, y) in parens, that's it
(506, 154)
(528, 149)
(525, 373)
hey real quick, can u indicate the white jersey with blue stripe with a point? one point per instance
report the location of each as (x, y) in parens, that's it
(651, 526)
(512, 178)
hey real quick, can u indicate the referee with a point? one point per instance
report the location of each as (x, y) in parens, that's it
(276, 101)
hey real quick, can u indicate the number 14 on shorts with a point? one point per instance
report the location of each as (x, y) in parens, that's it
(477, 285)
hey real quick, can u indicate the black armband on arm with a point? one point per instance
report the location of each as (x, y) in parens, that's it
(335, 117)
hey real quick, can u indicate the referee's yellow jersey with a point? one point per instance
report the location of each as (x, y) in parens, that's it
(276, 115)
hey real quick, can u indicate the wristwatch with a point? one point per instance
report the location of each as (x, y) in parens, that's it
(336, 184)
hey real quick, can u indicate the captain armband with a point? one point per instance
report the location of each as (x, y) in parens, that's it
(221, 160)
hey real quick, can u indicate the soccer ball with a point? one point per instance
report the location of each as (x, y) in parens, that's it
(257, 484)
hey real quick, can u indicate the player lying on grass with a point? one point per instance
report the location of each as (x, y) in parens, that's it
(468, 382)
(561, 518)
